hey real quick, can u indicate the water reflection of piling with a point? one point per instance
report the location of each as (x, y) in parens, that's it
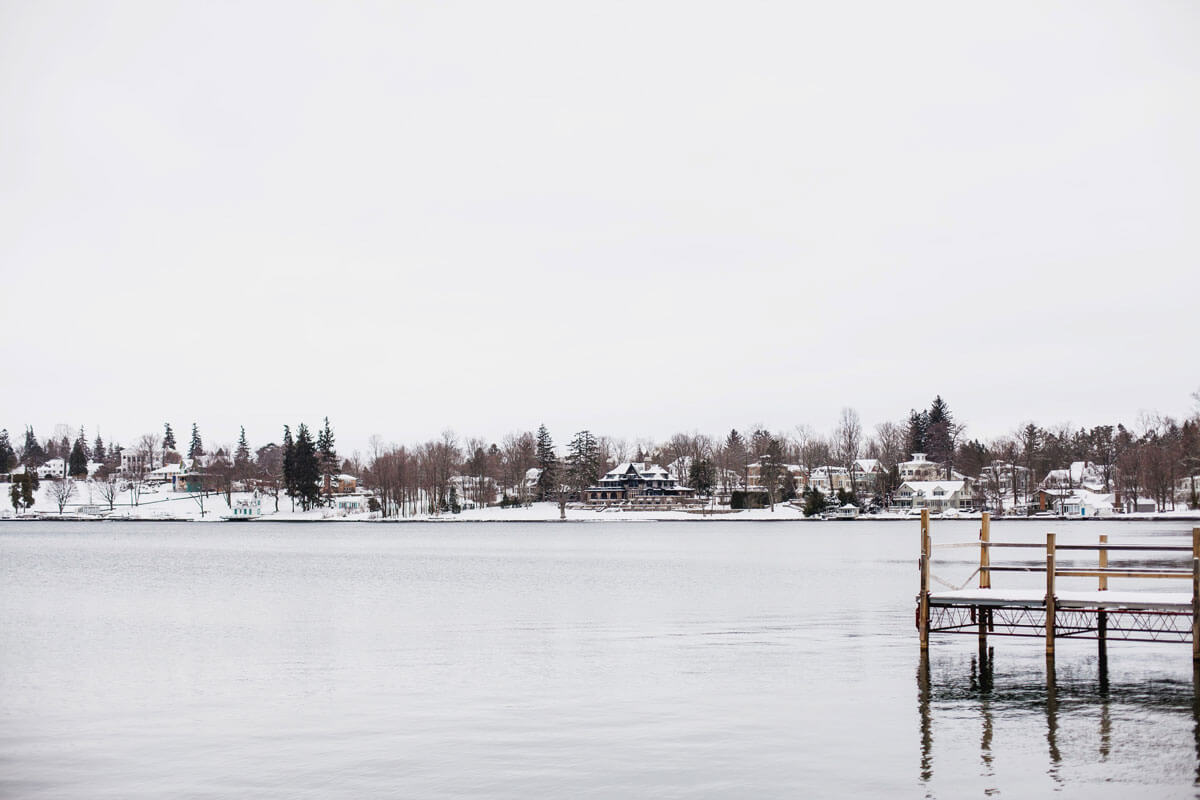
(924, 696)
(1052, 720)
(1105, 703)
(982, 678)
(1196, 717)
(978, 685)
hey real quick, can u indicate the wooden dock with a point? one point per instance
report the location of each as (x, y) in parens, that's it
(1060, 613)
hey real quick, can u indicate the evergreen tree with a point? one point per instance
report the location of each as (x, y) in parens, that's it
(771, 469)
(32, 454)
(77, 464)
(814, 501)
(547, 462)
(196, 448)
(289, 470)
(241, 456)
(917, 424)
(326, 450)
(306, 470)
(169, 437)
(21, 493)
(81, 440)
(8, 459)
(98, 451)
(583, 461)
(735, 457)
(939, 434)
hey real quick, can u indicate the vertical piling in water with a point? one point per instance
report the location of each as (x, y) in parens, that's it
(1195, 595)
(985, 575)
(1101, 615)
(923, 601)
(1050, 594)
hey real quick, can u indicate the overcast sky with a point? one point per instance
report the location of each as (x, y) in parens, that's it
(636, 217)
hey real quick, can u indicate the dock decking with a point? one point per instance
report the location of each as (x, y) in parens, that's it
(1054, 613)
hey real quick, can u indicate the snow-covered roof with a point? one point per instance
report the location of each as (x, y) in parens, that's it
(929, 487)
(169, 470)
(866, 464)
(829, 470)
(641, 468)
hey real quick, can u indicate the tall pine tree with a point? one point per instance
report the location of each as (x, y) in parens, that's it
(77, 463)
(547, 461)
(196, 448)
(289, 465)
(168, 437)
(583, 461)
(32, 454)
(327, 454)
(241, 456)
(918, 422)
(940, 434)
(8, 458)
(98, 451)
(306, 469)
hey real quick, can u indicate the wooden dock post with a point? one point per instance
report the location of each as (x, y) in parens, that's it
(1101, 615)
(985, 575)
(926, 550)
(985, 557)
(1195, 595)
(1050, 594)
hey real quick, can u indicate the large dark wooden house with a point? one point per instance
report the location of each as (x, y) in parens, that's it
(638, 482)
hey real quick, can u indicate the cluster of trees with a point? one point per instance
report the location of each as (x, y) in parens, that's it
(1146, 460)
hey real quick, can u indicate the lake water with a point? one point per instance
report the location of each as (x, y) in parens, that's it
(706, 659)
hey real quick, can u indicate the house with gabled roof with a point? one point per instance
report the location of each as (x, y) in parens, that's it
(934, 495)
(638, 482)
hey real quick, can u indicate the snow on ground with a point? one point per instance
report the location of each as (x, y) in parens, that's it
(163, 503)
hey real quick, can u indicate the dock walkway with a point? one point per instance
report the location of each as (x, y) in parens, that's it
(1054, 613)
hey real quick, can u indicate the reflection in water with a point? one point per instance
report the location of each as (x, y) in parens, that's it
(949, 686)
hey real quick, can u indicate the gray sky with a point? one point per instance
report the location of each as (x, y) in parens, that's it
(634, 217)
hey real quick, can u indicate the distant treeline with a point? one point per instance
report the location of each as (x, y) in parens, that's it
(1148, 459)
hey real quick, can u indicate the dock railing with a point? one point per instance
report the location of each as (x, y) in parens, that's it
(1087, 614)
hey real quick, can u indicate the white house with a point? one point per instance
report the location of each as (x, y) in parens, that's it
(1081, 474)
(134, 462)
(829, 479)
(934, 495)
(248, 506)
(1186, 488)
(919, 469)
(54, 468)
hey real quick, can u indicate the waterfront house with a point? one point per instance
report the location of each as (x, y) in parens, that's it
(54, 468)
(919, 469)
(828, 479)
(135, 462)
(638, 482)
(868, 475)
(248, 506)
(934, 495)
(340, 484)
(798, 473)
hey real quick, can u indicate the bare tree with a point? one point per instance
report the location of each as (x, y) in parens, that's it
(109, 486)
(848, 440)
(61, 491)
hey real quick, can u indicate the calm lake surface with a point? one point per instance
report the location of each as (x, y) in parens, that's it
(706, 659)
